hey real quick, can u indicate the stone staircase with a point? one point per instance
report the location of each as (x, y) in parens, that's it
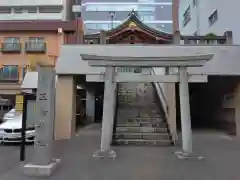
(138, 119)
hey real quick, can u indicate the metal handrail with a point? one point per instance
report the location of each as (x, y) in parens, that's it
(161, 94)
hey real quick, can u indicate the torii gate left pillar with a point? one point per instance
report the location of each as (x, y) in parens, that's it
(148, 62)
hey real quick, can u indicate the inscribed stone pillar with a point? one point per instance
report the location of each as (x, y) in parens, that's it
(229, 36)
(65, 121)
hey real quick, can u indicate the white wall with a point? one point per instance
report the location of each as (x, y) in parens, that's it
(228, 17)
(66, 13)
(32, 16)
(192, 25)
(30, 2)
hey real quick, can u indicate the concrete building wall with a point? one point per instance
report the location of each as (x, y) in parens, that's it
(65, 120)
(21, 59)
(36, 10)
(228, 13)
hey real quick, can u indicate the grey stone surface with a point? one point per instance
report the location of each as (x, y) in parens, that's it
(9, 158)
(105, 154)
(40, 170)
(220, 152)
(139, 116)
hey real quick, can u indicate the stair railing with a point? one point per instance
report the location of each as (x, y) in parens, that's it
(160, 94)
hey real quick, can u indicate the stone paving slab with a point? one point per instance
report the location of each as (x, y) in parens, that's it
(222, 160)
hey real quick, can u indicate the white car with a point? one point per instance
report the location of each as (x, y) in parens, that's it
(9, 115)
(10, 131)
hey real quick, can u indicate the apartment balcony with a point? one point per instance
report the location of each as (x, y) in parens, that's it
(11, 47)
(35, 47)
(9, 78)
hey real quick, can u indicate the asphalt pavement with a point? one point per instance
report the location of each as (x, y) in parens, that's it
(221, 160)
(9, 158)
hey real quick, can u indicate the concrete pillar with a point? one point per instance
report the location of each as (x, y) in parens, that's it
(202, 41)
(177, 37)
(65, 120)
(108, 120)
(103, 37)
(229, 36)
(186, 41)
(90, 106)
(175, 14)
(185, 111)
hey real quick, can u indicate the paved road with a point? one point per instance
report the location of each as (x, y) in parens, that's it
(221, 152)
(9, 157)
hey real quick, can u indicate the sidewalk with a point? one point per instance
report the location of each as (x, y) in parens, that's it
(222, 160)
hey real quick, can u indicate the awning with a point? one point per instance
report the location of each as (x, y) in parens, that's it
(30, 82)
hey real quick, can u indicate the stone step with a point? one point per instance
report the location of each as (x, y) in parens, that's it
(162, 125)
(136, 105)
(146, 136)
(142, 142)
(138, 115)
(146, 120)
(142, 129)
(142, 123)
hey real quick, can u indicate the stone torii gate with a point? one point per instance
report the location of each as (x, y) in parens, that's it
(110, 62)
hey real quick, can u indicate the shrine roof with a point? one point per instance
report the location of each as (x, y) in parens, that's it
(133, 21)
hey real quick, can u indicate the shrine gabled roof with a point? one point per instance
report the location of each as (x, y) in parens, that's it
(133, 21)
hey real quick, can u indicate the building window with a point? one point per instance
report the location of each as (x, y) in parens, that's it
(36, 40)
(109, 7)
(213, 18)
(122, 7)
(50, 9)
(146, 16)
(5, 10)
(9, 72)
(146, 8)
(146, 1)
(18, 10)
(187, 16)
(31, 9)
(11, 40)
(100, 26)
